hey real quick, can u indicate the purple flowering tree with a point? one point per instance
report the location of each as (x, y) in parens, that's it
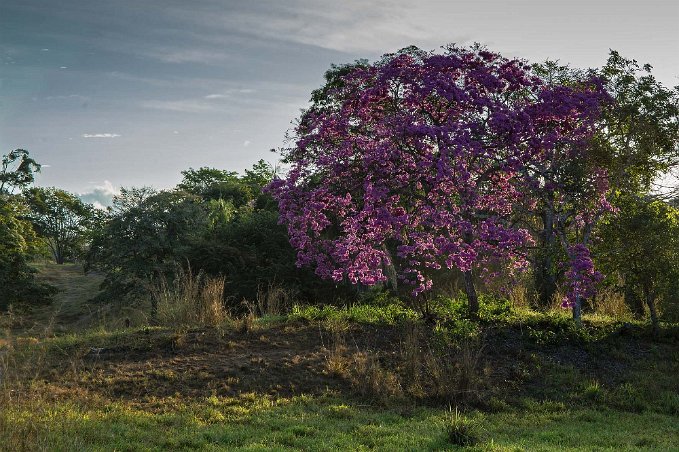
(418, 162)
(568, 185)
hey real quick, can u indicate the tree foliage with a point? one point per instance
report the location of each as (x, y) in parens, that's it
(61, 218)
(417, 163)
(215, 221)
(635, 141)
(639, 249)
(18, 241)
(17, 171)
(144, 236)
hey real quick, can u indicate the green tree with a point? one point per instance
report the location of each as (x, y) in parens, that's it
(640, 249)
(130, 198)
(17, 171)
(259, 175)
(18, 243)
(148, 237)
(201, 179)
(61, 218)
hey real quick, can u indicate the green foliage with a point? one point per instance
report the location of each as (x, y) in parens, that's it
(322, 97)
(61, 218)
(244, 241)
(638, 140)
(216, 222)
(249, 248)
(639, 250)
(635, 141)
(17, 171)
(18, 243)
(491, 307)
(461, 430)
(197, 181)
(390, 314)
(148, 238)
(259, 175)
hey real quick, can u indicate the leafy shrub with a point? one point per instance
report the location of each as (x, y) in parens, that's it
(390, 314)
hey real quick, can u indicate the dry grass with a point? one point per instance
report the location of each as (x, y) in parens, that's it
(274, 300)
(456, 375)
(519, 296)
(372, 379)
(336, 347)
(612, 304)
(190, 300)
(417, 370)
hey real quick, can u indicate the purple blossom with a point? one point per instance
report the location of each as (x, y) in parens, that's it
(421, 161)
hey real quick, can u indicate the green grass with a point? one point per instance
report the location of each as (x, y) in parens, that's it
(390, 314)
(70, 309)
(253, 422)
(548, 395)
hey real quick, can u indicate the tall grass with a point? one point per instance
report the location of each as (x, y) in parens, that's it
(611, 303)
(189, 299)
(274, 300)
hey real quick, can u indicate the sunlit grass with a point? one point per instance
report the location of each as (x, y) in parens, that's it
(253, 422)
(551, 402)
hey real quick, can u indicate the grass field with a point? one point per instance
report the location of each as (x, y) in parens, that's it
(357, 378)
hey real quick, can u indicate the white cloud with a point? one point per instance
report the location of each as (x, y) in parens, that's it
(188, 56)
(67, 97)
(229, 93)
(350, 26)
(101, 196)
(185, 106)
(100, 135)
(246, 143)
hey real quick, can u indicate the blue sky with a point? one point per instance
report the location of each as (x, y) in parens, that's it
(131, 92)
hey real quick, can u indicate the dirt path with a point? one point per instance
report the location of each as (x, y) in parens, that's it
(70, 309)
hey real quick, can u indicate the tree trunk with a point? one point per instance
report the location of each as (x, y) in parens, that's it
(545, 279)
(650, 301)
(390, 270)
(577, 311)
(472, 297)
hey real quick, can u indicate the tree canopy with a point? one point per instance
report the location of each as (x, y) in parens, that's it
(418, 161)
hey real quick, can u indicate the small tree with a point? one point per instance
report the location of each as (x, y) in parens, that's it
(18, 243)
(61, 218)
(641, 248)
(144, 236)
(201, 179)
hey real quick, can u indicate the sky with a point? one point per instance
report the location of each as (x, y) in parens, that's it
(131, 92)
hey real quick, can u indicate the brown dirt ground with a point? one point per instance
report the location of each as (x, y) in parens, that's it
(291, 359)
(281, 361)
